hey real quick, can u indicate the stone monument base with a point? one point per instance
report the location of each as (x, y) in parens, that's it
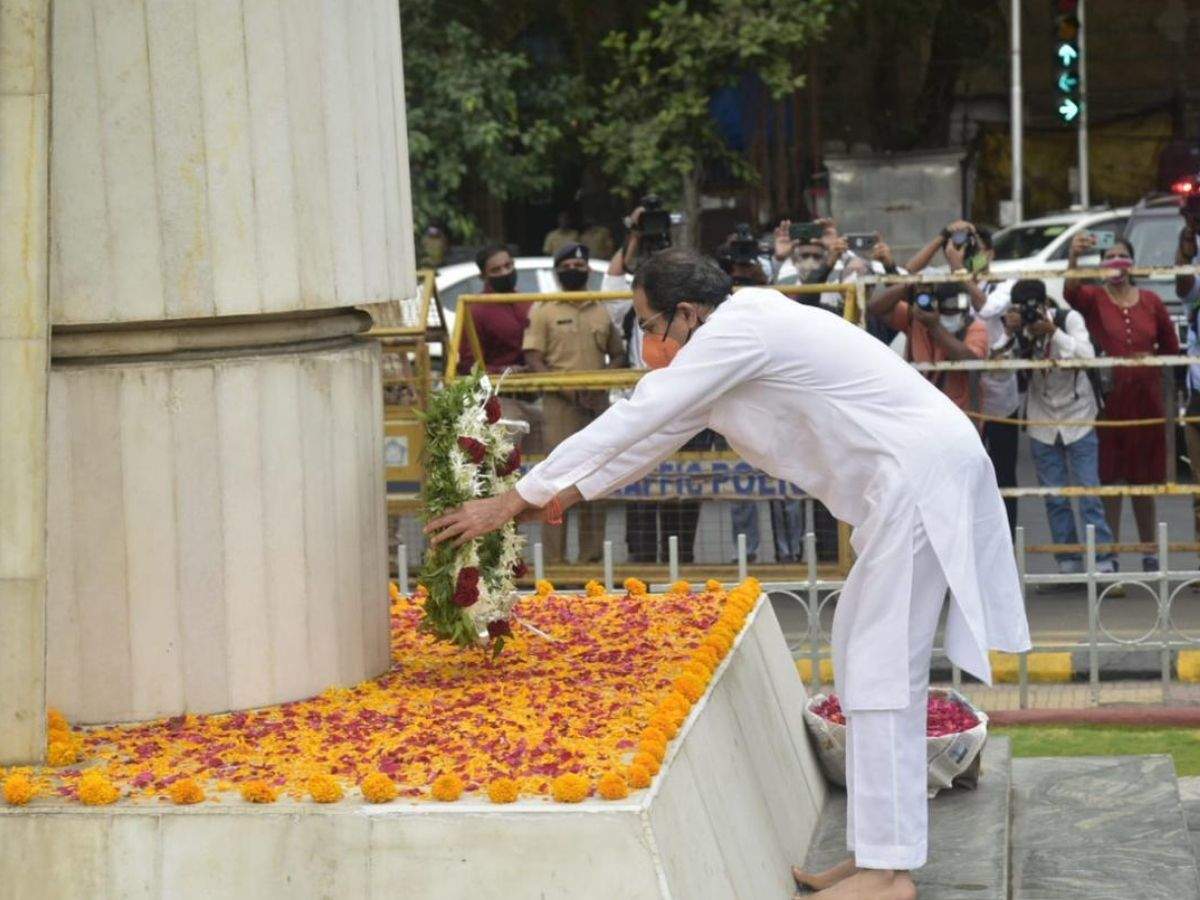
(735, 805)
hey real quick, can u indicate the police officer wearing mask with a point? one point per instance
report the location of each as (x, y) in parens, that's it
(572, 337)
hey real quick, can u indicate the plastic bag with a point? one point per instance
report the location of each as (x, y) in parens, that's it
(954, 759)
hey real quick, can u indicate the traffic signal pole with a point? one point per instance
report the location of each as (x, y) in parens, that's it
(1084, 192)
(1018, 125)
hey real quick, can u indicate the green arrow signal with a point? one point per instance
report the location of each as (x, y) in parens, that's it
(1067, 82)
(1067, 54)
(1069, 110)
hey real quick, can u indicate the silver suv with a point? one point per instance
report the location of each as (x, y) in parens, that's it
(1153, 229)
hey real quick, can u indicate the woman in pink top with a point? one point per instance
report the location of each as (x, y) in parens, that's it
(1126, 321)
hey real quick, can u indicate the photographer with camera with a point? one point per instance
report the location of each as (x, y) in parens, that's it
(1124, 320)
(1062, 454)
(935, 320)
(649, 526)
(967, 248)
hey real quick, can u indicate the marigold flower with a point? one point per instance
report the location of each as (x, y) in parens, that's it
(666, 724)
(718, 642)
(95, 788)
(19, 789)
(594, 588)
(647, 762)
(699, 672)
(612, 786)
(690, 686)
(635, 587)
(653, 733)
(324, 788)
(657, 749)
(378, 788)
(258, 791)
(701, 662)
(503, 790)
(708, 654)
(422, 591)
(724, 631)
(56, 721)
(638, 776)
(570, 788)
(186, 792)
(394, 592)
(61, 753)
(713, 585)
(681, 587)
(447, 788)
(681, 703)
(544, 588)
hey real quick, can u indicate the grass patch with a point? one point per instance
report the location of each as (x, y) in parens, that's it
(1106, 740)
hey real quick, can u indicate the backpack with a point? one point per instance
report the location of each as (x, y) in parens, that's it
(1099, 379)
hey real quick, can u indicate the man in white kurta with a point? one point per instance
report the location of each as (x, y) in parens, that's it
(811, 399)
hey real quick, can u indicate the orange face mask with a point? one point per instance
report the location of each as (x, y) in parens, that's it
(658, 350)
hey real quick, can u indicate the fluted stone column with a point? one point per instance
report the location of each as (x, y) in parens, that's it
(24, 104)
(229, 178)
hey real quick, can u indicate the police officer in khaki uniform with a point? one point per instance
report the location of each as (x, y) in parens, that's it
(572, 337)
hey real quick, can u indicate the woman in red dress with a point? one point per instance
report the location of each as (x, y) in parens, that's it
(1126, 321)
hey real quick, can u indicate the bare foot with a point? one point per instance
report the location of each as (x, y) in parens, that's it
(872, 884)
(821, 880)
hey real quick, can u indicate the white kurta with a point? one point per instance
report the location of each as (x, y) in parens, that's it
(813, 400)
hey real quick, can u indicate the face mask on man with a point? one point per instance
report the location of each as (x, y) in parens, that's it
(572, 279)
(952, 322)
(503, 284)
(659, 349)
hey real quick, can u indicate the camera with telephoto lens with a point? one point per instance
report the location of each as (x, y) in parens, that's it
(1029, 299)
(964, 239)
(946, 298)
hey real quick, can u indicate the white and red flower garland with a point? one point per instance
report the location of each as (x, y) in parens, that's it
(470, 455)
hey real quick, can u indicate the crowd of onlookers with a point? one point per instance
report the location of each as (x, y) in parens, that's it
(928, 323)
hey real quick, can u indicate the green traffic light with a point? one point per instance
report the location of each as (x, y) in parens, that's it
(1069, 110)
(1067, 54)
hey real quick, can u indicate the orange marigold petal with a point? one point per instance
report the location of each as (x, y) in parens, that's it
(612, 786)
(639, 776)
(570, 788)
(186, 792)
(647, 762)
(379, 788)
(447, 788)
(19, 789)
(503, 790)
(324, 788)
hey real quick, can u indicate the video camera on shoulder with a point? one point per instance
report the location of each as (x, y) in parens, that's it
(744, 247)
(654, 224)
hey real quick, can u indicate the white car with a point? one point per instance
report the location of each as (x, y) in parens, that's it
(535, 275)
(1043, 244)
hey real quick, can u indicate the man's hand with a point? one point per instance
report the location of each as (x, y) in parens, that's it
(476, 518)
(929, 319)
(1012, 321)
(835, 247)
(783, 240)
(1043, 328)
(882, 253)
(960, 225)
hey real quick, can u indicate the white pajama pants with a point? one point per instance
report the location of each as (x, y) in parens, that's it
(887, 811)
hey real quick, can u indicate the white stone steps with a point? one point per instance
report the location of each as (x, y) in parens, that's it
(968, 835)
(1100, 828)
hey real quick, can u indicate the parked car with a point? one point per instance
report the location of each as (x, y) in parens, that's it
(1043, 243)
(535, 275)
(1153, 229)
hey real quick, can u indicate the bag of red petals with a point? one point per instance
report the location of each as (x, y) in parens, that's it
(956, 731)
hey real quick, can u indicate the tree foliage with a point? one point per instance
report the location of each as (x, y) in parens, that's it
(654, 128)
(480, 117)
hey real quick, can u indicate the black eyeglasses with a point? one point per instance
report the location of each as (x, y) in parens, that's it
(641, 324)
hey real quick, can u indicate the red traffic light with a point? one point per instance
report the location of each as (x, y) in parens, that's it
(1186, 186)
(1067, 7)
